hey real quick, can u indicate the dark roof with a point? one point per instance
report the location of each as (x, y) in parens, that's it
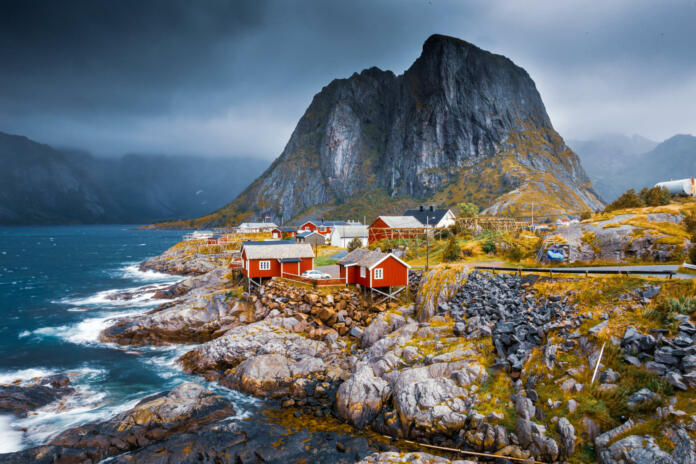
(290, 260)
(426, 215)
(285, 229)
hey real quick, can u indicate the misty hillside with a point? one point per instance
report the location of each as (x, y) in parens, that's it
(44, 185)
(616, 163)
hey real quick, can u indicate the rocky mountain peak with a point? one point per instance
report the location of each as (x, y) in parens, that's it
(460, 124)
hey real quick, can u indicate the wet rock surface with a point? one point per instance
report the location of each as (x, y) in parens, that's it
(154, 419)
(22, 397)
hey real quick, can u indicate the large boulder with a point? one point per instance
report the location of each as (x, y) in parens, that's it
(360, 398)
(21, 398)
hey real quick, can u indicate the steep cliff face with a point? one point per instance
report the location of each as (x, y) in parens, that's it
(459, 124)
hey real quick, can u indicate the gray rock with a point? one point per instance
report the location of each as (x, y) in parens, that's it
(609, 376)
(641, 397)
(635, 450)
(684, 448)
(597, 328)
(360, 398)
(567, 433)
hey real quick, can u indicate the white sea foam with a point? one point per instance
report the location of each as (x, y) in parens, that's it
(132, 271)
(24, 375)
(85, 332)
(11, 438)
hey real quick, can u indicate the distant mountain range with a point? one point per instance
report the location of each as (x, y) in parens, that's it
(40, 184)
(616, 163)
(461, 124)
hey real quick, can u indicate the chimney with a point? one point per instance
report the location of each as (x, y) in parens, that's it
(432, 207)
(421, 208)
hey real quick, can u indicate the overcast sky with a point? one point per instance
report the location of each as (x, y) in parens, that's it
(232, 78)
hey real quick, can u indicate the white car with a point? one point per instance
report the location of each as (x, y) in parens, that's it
(314, 274)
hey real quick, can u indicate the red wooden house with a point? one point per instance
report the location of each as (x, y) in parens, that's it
(321, 227)
(278, 232)
(273, 259)
(394, 227)
(374, 270)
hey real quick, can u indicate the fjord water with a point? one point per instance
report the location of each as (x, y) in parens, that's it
(57, 286)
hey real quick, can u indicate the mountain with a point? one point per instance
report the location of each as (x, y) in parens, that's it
(460, 124)
(43, 185)
(606, 159)
(618, 163)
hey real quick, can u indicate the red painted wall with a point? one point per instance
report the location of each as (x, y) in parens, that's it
(395, 274)
(308, 226)
(306, 264)
(375, 235)
(291, 268)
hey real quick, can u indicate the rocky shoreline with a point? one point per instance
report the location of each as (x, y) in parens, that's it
(465, 364)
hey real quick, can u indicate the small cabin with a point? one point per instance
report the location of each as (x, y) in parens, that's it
(322, 227)
(311, 237)
(373, 269)
(273, 259)
(280, 232)
(394, 227)
(343, 235)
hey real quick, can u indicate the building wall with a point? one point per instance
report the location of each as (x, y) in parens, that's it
(338, 241)
(374, 235)
(291, 268)
(395, 274)
(308, 226)
(379, 230)
(254, 270)
(306, 264)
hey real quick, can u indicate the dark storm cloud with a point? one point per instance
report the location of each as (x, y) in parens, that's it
(233, 77)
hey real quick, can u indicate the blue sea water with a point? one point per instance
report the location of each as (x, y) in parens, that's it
(55, 284)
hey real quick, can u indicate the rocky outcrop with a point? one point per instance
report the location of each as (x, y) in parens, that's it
(620, 238)
(268, 360)
(183, 409)
(180, 260)
(202, 313)
(444, 128)
(22, 397)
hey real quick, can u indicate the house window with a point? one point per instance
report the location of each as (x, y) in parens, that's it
(379, 273)
(362, 272)
(264, 265)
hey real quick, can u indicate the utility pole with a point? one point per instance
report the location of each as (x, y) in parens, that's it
(532, 216)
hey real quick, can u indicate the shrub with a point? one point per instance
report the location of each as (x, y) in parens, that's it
(442, 234)
(468, 210)
(627, 200)
(585, 215)
(692, 254)
(666, 310)
(656, 196)
(690, 222)
(354, 244)
(452, 252)
(515, 253)
(488, 246)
